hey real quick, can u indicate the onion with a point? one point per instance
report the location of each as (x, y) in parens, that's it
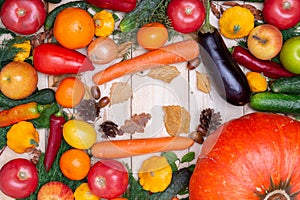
(102, 50)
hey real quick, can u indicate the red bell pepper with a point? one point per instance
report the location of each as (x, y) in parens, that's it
(54, 59)
(118, 5)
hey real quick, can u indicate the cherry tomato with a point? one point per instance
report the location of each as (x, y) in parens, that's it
(23, 16)
(108, 178)
(283, 14)
(18, 178)
(186, 16)
(152, 36)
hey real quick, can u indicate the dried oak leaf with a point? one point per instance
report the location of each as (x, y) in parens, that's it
(203, 83)
(177, 119)
(165, 73)
(137, 123)
(120, 92)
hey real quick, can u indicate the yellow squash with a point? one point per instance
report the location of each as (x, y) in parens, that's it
(22, 137)
(155, 174)
(236, 22)
(104, 23)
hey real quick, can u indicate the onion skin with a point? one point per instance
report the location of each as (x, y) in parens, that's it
(102, 50)
(248, 156)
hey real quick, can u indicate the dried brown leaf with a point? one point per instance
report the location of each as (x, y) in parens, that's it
(120, 92)
(176, 119)
(203, 83)
(137, 123)
(165, 73)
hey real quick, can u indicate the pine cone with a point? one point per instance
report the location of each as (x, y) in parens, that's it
(110, 129)
(209, 122)
(88, 110)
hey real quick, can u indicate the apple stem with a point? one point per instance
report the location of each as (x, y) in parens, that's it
(259, 39)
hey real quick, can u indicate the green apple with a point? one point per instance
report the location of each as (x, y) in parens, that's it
(290, 55)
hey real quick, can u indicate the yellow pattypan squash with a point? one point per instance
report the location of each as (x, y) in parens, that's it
(83, 192)
(104, 23)
(257, 82)
(155, 174)
(22, 137)
(25, 52)
(236, 22)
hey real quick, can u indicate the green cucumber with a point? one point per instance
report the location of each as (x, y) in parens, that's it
(43, 96)
(276, 102)
(50, 19)
(286, 85)
(180, 180)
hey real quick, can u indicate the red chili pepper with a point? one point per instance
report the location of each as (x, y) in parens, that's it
(269, 68)
(54, 139)
(118, 5)
(54, 59)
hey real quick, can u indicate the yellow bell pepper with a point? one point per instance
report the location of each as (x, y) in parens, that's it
(104, 23)
(155, 174)
(25, 52)
(22, 137)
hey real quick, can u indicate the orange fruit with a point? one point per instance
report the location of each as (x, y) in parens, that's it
(152, 36)
(74, 28)
(75, 164)
(70, 92)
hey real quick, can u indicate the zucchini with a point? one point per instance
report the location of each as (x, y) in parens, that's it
(50, 19)
(180, 180)
(43, 96)
(276, 102)
(289, 85)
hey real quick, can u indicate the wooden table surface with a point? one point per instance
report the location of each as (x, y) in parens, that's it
(149, 95)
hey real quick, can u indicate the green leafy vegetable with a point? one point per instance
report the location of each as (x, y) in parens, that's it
(44, 120)
(7, 50)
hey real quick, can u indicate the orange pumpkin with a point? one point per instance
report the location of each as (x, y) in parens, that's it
(254, 157)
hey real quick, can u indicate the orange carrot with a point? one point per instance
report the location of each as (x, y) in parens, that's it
(169, 54)
(18, 113)
(133, 147)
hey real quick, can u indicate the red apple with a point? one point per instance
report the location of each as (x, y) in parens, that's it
(18, 80)
(55, 190)
(265, 41)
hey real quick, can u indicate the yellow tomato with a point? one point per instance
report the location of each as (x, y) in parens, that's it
(79, 134)
(83, 192)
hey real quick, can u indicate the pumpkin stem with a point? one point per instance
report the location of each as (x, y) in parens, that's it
(277, 195)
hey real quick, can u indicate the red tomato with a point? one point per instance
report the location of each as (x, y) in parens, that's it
(283, 14)
(152, 36)
(108, 179)
(186, 16)
(18, 178)
(23, 16)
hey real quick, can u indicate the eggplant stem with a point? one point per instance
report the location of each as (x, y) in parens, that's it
(207, 27)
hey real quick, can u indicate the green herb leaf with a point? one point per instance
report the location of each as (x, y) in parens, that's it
(190, 156)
